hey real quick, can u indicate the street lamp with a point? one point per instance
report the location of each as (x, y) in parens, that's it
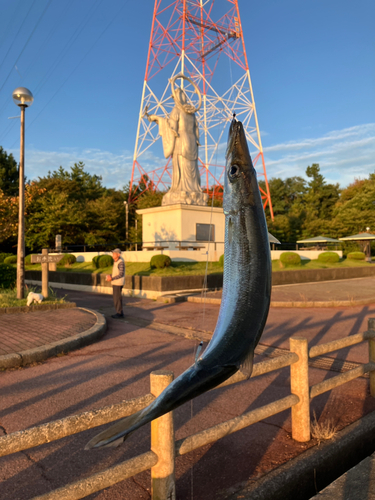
(23, 98)
(126, 220)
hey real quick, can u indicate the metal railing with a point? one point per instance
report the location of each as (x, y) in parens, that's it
(164, 449)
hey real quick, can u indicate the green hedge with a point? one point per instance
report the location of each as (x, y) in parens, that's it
(67, 260)
(8, 276)
(28, 259)
(12, 259)
(328, 257)
(221, 260)
(356, 256)
(95, 261)
(105, 261)
(290, 259)
(160, 261)
(3, 256)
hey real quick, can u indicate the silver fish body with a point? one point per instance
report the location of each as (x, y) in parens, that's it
(245, 298)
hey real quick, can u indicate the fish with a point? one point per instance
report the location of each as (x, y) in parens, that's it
(245, 300)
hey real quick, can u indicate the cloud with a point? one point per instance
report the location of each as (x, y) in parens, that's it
(115, 169)
(343, 155)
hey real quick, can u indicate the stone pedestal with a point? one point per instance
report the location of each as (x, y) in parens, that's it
(185, 198)
(183, 227)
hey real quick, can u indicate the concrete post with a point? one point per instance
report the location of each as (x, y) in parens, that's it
(162, 444)
(299, 385)
(371, 347)
(45, 274)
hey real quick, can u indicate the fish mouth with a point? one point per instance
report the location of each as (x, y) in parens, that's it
(237, 149)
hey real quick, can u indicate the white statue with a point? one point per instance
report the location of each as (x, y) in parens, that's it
(180, 136)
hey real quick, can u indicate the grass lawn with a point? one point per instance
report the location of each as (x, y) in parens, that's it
(8, 297)
(193, 268)
(316, 264)
(143, 269)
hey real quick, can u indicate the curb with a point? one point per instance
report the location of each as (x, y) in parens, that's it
(330, 303)
(44, 352)
(38, 307)
(304, 476)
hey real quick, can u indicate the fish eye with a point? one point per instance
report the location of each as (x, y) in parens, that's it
(234, 170)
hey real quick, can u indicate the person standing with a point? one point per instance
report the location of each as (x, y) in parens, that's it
(118, 281)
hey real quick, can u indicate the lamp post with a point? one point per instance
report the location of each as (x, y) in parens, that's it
(126, 220)
(23, 98)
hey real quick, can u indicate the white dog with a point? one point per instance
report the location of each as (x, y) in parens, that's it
(37, 297)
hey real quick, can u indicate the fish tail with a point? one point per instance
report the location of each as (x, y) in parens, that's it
(190, 384)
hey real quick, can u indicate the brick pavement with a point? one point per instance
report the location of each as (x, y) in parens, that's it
(20, 332)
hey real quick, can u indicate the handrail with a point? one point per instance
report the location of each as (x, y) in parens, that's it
(318, 350)
(219, 431)
(58, 429)
(104, 479)
(341, 379)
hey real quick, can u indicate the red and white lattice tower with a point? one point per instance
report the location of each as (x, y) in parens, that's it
(202, 39)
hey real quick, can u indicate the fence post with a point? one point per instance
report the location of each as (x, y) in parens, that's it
(299, 385)
(45, 274)
(371, 349)
(163, 444)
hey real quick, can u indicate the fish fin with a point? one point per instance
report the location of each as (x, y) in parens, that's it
(199, 349)
(246, 366)
(116, 434)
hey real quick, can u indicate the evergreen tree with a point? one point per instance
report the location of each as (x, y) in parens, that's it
(9, 184)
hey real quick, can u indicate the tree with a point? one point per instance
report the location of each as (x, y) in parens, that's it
(356, 209)
(9, 184)
(320, 197)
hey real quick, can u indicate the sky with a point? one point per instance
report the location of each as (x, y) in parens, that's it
(311, 63)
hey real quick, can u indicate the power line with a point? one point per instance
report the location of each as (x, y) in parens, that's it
(16, 35)
(27, 41)
(66, 48)
(90, 49)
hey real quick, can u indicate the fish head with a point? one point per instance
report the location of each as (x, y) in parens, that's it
(240, 181)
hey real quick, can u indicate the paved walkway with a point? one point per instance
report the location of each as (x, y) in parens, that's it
(350, 291)
(118, 368)
(20, 332)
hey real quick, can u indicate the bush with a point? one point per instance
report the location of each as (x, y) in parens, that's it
(67, 260)
(221, 260)
(12, 259)
(8, 276)
(105, 261)
(356, 256)
(28, 260)
(95, 261)
(290, 259)
(160, 261)
(328, 257)
(4, 255)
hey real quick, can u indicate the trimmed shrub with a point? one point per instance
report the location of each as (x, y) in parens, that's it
(4, 255)
(221, 260)
(28, 260)
(160, 261)
(356, 256)
(105, 261)
(290, 259)
(8, 276)
(95, 261)
(12, 259)
(328, 257)
(67, 260)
